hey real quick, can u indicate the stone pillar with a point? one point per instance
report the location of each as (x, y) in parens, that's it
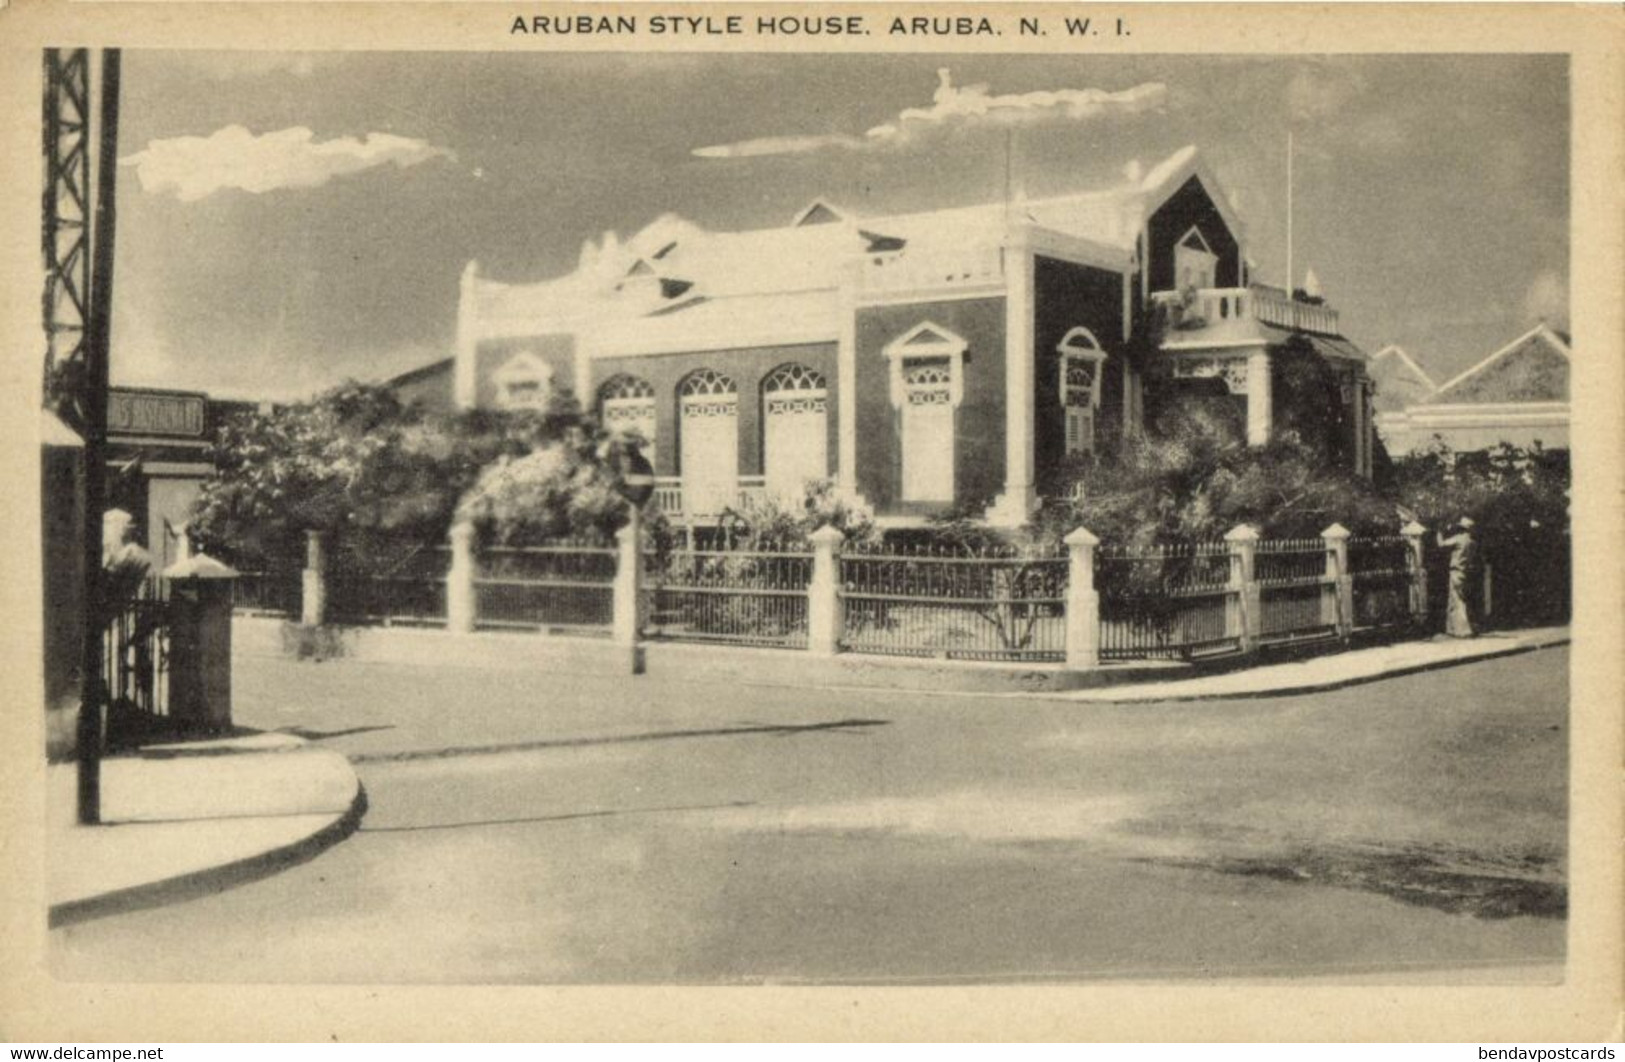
(1243, 542)
(1082, 602)
(200, 594)
(460, 604)
(1260, 398)
(1015, 503)
(313, 607)
(627, 624)
(1337, 608)
(1416, 560)
(824, 593)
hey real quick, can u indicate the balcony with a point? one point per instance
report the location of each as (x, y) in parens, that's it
(1215, 314)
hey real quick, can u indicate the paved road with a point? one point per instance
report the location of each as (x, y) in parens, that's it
(702, 834)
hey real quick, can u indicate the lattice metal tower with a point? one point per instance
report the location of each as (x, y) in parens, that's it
(66, 230)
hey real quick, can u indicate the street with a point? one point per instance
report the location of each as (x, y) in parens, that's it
(611, 830)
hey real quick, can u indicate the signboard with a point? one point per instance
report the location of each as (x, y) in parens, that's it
(147, 413)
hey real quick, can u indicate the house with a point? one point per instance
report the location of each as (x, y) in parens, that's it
(158, 457)
(920, 361)
(1518, 395)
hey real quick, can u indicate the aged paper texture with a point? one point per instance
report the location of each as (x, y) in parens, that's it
(955, 258)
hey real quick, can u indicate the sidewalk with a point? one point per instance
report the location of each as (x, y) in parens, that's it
(1330, 671)
(180, 820)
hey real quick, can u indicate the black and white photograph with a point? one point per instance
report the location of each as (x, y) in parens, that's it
(575, 515)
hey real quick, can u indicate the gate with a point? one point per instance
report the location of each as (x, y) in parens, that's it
(135, 656)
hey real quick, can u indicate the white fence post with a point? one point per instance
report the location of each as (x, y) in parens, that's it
(1082, 602)
(1416, 559)
(1243, 543)
(823, 593)
(313, 582)
(460, 606)
(1339, 603)
(627, 622)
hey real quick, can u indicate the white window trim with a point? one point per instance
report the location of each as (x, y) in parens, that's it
(1080, 344)
(524, 367)
(927, 340)
(1199, 239)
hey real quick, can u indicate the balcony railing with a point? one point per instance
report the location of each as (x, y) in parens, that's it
(670, 498)
(1205, 308)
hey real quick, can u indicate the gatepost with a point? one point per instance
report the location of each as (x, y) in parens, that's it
(313, 581)
(200, 592)
(1416, 560)
(1243, 543)
(460, 604)
(824, 593)
(1339, 603)
(628, 594)
(1082, 602)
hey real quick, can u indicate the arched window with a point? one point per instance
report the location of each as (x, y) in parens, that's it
(927, 385)
(626, 408)
(1080, 365)
(795, 431)
(708, 446)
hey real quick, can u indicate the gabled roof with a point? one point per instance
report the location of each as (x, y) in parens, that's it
(811, 254)
(1532, 368)
(1399, 380)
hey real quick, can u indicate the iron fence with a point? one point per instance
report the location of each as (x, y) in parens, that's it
(135, 655)
(994, 604)
(1174, 601)
(1380, 571)
(1297, 599)
(566, 585)
(410, 591)
(747, 597)
(270, 592)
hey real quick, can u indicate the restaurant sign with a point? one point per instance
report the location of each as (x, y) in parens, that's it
(146, 413)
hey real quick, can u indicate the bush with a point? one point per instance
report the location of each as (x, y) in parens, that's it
(379, 477)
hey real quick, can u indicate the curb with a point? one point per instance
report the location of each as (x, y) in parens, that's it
(1103, 697)
(199, 883)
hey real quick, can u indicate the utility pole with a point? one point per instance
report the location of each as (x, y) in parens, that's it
(97, 332)
(1291, 284)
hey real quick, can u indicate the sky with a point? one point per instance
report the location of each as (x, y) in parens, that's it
(288, 221)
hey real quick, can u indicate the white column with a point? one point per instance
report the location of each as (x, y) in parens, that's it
(464, 375)
(1243, 542)
(1260, 398)
(313, 582)
(1416, 558)
(823, 594)
(1082, 602)
(460, 581)
(1020, 495)
(1337, 608)
(628, 593)
(846, 383)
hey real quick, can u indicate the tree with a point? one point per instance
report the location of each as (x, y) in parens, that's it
(376, 475)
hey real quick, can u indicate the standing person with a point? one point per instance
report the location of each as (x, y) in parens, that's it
(1463, 547)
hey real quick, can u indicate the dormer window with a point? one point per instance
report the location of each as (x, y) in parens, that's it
(1195, 264)
(1080, 367)
(524, 382)
(818, 212)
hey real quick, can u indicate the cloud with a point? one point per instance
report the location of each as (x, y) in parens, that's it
(1322, 89)
(192, 167)
(956, 107)
(1547, 299)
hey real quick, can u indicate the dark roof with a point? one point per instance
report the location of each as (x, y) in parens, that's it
(1532, 368)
